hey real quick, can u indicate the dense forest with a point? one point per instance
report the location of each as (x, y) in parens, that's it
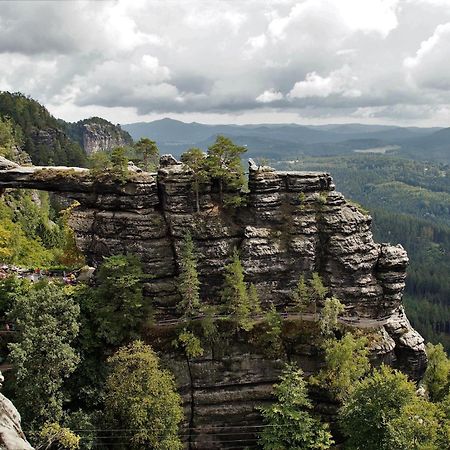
(410, 204)
(38, 133)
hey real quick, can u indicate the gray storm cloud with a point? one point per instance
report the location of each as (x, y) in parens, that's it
(377, 58)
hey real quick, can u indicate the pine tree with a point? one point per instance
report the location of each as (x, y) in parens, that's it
(189, 284)
(253, 298)
(195, 159)
(289, 423)
(301, 296)
(234, 293)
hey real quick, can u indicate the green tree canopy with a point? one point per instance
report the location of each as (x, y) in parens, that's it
(346, 362)
(149, 152)
(290, 426)
(120, 308)
(141, 398)
(46, 319)
(195, 159)
(383, 412)
(224, 165)
(437, 375)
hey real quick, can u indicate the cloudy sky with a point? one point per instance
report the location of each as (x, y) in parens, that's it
(238, 61)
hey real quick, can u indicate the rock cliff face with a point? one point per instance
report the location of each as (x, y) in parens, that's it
(11, 434)
(96, 134)
(293, 223)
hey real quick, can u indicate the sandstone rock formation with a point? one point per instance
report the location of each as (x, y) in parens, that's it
(96, 134)
(293, 223)
(11, 434)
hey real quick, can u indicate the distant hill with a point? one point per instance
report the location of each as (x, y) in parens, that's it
(433, 147)
(53, 141)
(287, 141)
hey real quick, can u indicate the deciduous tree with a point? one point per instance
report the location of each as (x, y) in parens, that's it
(141, 398)
(46, 319)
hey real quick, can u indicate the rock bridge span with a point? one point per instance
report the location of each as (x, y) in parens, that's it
(292, 223)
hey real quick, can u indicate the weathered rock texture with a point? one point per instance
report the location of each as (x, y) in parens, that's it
(11, 434)
(96, 134)
(293, 223)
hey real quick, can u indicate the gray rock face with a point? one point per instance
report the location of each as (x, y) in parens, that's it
(11, 434)
(103, 137)
(293, 223)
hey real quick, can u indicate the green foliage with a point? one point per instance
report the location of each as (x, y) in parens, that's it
(195, 159)
(409, 203)
(346, 362)
(189, 284)
(253, 299)
(149, 152)
(318, 291)
(110, 166)
(7, 138)
(383, 412)
(235, 295)
(31, 121)
(301, 295)
(290, 426)
(271, 340)
(46, 319)
(119, 164)
(329, 314)
(141, 397)
(54, 436)
(224, 166)
(437, 375)
(98, 162)
(190, 343)
(120, 309)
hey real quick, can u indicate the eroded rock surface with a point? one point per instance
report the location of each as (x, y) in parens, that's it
(293, 223)
(11, 434)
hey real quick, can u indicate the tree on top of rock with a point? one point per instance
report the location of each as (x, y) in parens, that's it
(224, 164)
(149, 151)
(195, 159)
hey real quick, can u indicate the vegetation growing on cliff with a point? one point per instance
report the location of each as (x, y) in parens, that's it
(141, 399)
(290, 424)
(409, 203)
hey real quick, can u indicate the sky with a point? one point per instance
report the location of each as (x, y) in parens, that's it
(231, 61)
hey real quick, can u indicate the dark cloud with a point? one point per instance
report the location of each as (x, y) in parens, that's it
(319, 58)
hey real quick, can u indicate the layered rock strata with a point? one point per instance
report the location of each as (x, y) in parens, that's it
(292, 223)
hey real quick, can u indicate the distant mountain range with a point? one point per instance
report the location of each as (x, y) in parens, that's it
(289, 141)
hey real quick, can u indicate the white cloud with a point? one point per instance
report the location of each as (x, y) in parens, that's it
(333, 57)
(339, 82)
(269, 96)
(429, 66)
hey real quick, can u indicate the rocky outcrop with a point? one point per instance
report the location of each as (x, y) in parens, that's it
(292, 223)
(11, 434)
(96, 134)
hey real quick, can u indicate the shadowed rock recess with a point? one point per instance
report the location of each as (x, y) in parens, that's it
(293, 223)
